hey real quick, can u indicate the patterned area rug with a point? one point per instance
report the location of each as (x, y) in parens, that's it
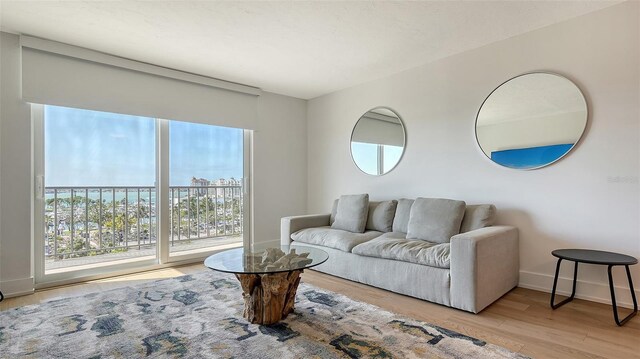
(200, 316)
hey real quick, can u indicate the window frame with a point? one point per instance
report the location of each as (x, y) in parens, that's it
(163, 258)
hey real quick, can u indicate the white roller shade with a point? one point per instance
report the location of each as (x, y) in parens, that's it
(371, 129)
(64, 75)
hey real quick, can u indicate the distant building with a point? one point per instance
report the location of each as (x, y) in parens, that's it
(231, 192)
(220, 191)
(200, 182)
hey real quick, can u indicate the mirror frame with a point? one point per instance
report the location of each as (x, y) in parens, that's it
(582, 133)
(404, 141)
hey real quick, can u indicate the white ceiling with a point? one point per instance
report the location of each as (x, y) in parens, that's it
(533, 97)
(300, 49)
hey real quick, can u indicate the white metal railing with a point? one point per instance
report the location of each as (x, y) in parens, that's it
(87, 221)
(213, 211)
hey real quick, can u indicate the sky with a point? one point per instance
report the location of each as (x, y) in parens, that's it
(365, 155)
(91, 148)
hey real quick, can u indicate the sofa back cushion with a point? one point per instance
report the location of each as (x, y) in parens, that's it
(435, 219)
(334, 210)
(351, 214)
(478, 216)
(401, 219)
(380, 217)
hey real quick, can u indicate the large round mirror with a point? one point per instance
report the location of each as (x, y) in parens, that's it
(531, 121)
(377, 141)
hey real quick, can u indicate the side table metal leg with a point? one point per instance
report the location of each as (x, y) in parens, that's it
(555, 284)
(613, 298)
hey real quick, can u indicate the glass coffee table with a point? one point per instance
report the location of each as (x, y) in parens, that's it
(269, 277)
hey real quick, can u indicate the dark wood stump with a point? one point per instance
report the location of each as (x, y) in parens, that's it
(269, 298)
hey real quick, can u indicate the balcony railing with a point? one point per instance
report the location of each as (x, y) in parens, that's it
(213, 211)
(88, 221)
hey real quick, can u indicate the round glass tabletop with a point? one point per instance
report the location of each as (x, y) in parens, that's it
(266, 260)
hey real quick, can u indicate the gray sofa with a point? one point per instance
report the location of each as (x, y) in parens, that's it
(442, 251)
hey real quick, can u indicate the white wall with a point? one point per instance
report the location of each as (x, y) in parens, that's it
(590, 199)
(279, 164)
(279, 169)
(15, 169)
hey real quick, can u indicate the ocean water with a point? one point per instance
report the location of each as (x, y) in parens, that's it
(146, 194)
(107, 195)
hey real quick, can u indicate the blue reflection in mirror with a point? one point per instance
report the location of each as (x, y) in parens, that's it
(531, 120)
(532, 157)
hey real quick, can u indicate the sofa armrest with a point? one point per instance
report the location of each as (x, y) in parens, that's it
(290, 225)
(485, 264)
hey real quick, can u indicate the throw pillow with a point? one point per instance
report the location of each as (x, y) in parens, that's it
(351, 214)
(478, 216)
(381, 215)
(334, 210)
(401, 219)
(435, 219)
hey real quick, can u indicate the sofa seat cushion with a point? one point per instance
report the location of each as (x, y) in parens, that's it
(395, 245)
(333, 238)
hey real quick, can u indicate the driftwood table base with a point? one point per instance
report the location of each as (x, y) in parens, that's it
(269, 298)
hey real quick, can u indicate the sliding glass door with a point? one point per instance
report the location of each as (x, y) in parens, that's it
(99, 189)
(206, 184)
(102, 202)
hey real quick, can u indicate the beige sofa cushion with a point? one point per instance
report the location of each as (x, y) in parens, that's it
(394, 245)
(351, 214)
(333, 238)
(478, 216)
(334, 210)
(381, 215)
(401, 219)
(435, 219)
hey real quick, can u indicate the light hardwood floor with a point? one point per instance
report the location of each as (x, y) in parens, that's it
(520, 321)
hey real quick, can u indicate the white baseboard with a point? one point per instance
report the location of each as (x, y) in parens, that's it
(17, 287)
(592, 291)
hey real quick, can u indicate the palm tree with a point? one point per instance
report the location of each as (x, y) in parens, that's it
(118, 224)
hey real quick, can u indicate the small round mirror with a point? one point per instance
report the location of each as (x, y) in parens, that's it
(531, 121)
(377, 141)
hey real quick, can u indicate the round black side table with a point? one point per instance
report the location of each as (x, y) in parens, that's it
(609, 259)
